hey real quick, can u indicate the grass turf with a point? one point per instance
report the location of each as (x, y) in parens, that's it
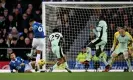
(68, 76)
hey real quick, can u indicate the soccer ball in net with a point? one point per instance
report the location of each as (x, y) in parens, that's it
(41, 62)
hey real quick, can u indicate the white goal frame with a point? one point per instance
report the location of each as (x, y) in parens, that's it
(44, 24)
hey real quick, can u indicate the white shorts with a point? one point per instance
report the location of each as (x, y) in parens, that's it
(27, 67)
(57, 50)
(38, 43)
(98, 44)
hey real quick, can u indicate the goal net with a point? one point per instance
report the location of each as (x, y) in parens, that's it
(74, 21)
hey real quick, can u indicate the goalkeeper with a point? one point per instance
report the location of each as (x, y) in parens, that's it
(122, 41)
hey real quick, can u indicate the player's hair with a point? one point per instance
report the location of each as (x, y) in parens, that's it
(12, 53)
(101, 17)
(123, 28)
(31, 20)
(55, 30)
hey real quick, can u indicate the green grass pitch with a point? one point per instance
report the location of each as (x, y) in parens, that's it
(68, 76)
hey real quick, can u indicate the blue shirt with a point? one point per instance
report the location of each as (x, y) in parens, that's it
(15, 64)
(38, 30)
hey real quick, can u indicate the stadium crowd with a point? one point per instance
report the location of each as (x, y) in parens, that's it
(14, 26)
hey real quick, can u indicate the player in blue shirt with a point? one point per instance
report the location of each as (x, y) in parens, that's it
(38, 40)
(18, 64)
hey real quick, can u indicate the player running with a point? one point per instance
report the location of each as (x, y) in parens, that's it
(56, 44)
(122, 40)
(38, 40)
(19, 64)
(101, 37)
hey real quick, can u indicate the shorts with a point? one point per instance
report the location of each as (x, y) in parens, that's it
(120, 50)
(38, 43)
(58, 51)
(99, 44)
(27, 67)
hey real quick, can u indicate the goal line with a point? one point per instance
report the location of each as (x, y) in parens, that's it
(73, 70)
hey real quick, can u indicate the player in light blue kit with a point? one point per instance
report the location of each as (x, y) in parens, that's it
(19, 64)
(38, 40)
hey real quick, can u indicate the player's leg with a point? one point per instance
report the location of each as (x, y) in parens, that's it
(100, 47)
(64, 60)
(126, 57)
(91, 45)
(34, 45)
(66, 65)
(28, 68)
(56, 50)
(39, 50)
(112, 59)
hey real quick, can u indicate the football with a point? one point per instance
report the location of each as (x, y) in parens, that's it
(41, 62)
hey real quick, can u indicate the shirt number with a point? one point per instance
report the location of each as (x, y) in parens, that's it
(55, 36)
(40, 29)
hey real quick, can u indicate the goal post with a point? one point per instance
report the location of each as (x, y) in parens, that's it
(74, 20)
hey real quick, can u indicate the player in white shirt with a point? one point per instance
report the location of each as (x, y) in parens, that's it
(101, 38)
(56, 44)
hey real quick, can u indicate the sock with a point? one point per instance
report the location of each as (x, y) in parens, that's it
(128, 64)
(32, 51)
(89, 52)
(38, 57)
(111, 61)
(55, 66)
(104, 61)
(66, 64)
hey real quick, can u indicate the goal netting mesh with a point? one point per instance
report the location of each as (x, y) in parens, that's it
(74, 21)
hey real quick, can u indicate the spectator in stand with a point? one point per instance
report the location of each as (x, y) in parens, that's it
(30, 6)
(1, 8)
(25, 21)
(9, 51)
(3, 52)
(2, 22)
(37, 15)
(17, 17)
(25, 33)
(21, 41)
(27, 46)
(9, 39)
(19, 7)
(3, 3)
(27, 43)
(4, 33)
(14, 44)
(10, 23)
(15, 33)
(6, 14)
(29, 13)
(30, 35)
